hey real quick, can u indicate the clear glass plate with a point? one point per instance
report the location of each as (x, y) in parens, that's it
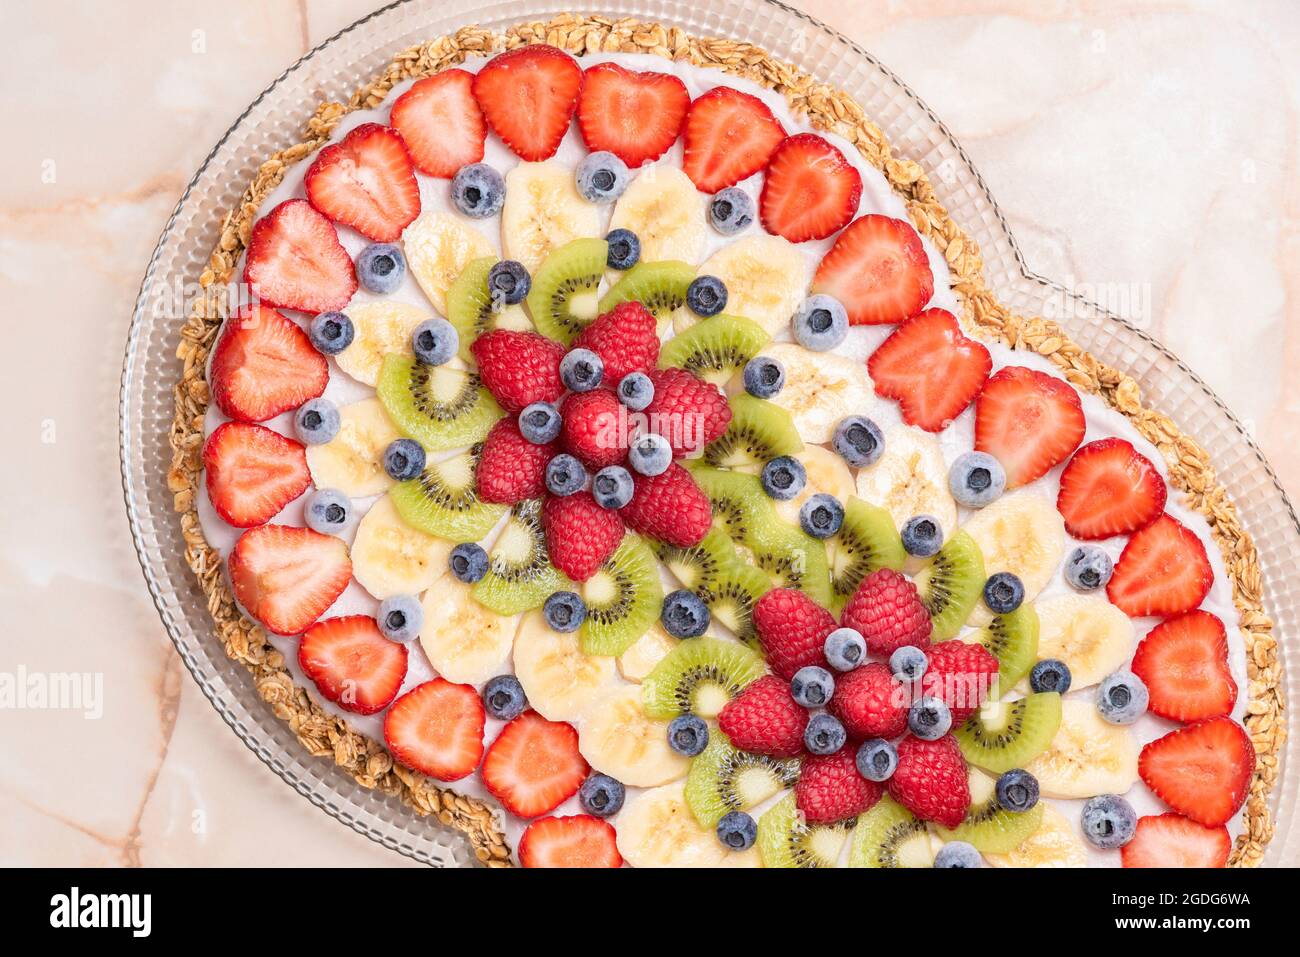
(333, 70)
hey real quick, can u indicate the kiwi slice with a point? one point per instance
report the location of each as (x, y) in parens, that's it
(890, 836)
(989, 827)
(438, 406)
(562, 299)
(444, 502)
(759, 431)
(739, 504)
(699, 677)
(520, 575)
(696, 567)
(471, 310)
(1013, 640)
(1009, 734)
(731, 596)
(724, 779)
(950, 584)
(715, 349)
(793, 559)
(623, 598)
(866, 542)
(659, 286)
(785, 839)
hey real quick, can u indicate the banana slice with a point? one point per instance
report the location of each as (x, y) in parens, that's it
(1021, 533)
(560, 681)
(827, 473)
(646, 652)
(1054, 844)
(1088, 633)
(391, 558)
(766, 279)
(465, 642)
(657, 829)
(438, 247)
(382, 327)
(617, 739)
(910, 479)
(820, 389)
(353, 461)
(542, 212)
(667, 213)
(1088, 756)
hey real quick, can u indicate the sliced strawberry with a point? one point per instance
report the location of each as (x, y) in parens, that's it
(1163, 571)
(1109, 488)
(635, 116)
(809, 190)
(1171, 840)
(252, 472)
(878, 269)
(437, 729)
(287, 577)
(441, 124)
(580, 534)
(1202, 771)
(534, 765)
(366, 181)
(579, 840)
(528, 96)
(1184, 664)
(295, 260)
(930, 368)
(1029, 421)
(730, 136)
(263, 365)
(352, 664)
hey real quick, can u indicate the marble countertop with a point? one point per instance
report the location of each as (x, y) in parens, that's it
(1127, 142)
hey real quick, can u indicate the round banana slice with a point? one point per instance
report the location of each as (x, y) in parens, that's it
(543, 212)
(353, 461)
(382, 327)
(766, 279)
(667, 213)
(657, 829)
(1021, 533)
(391, 558)
(910, 478)
(617, 739)
(1088, 633)
(827, 474)
(820, 389)
(560, 681)
(1054, 844)
(647, 651)
(465, 642)
(1088, 756)
(438, 247)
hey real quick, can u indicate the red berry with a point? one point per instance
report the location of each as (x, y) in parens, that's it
(578, 840)
(669, 507)
(1109, 488)
(1184, 664)
(870, 702)
(295, 261)
(930, 368)
(831, 789)
(887, 611)
(1163, 570)
(366, 181)
(809, 190)
(580, 534)
(687, 411)
(878, 269)
(352, 663)
(960, 675)
(287, 577)
(441, 124)
(792, 629)
(1029, 421)
(765, 719)
(264, 365)
(437, 729)
(1202, 771)
(1171, 840)
(635, 116)
(510, 468)
(534, 765)
(594, 428)
(626, 340)
(519, 368)
(528, 96)
(729, 136)
(252, 472)
(931, 780)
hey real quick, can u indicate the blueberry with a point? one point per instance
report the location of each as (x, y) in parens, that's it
(929, 718)
(1088, 568)
(737, 831)
(922, 536)
(731, 210)
(820, 323)
(508, 283)
(1017, 791)
(612, 487)
(328, 511)
(564, 611)
(958, 854)
(1108, 821)
(469, 562)
(601, 795)
(381, 268)
(601, 177)
(581, 370)
(478, 190)
(876, 760)
(764, 377)
(504, 698)
(400, 618)
(404, 459)
(331, 333)
(706, 296)
(812, 686)
(635, 390)
(976, 479)
(845, 649)
(1122, 698)
(565, 475)
(1050, 675)
(1003, 593)
(688, 735)
(624, 249)
(317, 421)
(684, 614)
(908, 663)
(435, 341)
(540, 423)
(784, 478)
(821, 515)
(824, 734)
(650, 454)
(859, 441)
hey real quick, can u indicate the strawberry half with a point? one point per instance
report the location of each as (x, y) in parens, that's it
(729, 136)
(1171, 840)
(1184, 664)
(287, 577)
(534, 765)
(441, 124)
(263, 365)
(252, 472)
(931, 368)
(510, 468)
(635, 116)
(580, 534)
(809, 190)
(1029, 421)
(1202, 771)
(1163, 571)
(352, 663)
(1109, 488)
(669, 507)
(437, 729)
(579, 840)
(295, 260)
(366, 181)
(878, 269)
(528, 96)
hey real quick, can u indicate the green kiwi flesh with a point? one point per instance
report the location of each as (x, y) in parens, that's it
(1009, 734)
(759, 431)
(1013, 640)
(520, 575)
(623, 598)
(731, 597)
(950, 584)
(438, 406)
(786, 840)
(793, 559)
(470, 308)
(699, 677)
(699, 565)
(739, 504)
(865, 543)
(989, 827)
(715, 349)
(889, 835)
(562, 299)
(444, 502)
(659, 286)
(724, 779)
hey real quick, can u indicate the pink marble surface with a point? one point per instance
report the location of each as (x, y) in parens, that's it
(1128, 143)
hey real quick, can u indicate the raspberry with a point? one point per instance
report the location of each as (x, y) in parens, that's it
(831, 789)
(931, 780)
(887, 611)
(519, 368)
(511, 468)
(870, 702)
(764, 719)
(686, 410)
(626, 339)
(959, 674)
(792, 629)
(594, 428)
(669, 507)
(580, 534)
